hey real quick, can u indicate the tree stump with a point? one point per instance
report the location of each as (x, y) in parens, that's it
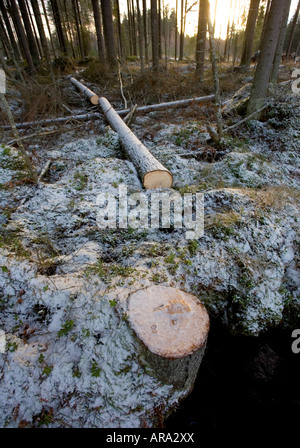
(171, 328)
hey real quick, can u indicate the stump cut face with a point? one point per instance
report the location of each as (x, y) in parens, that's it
(170, 322)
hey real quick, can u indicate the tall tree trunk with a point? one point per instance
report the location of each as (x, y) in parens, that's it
(159, 29)
(10, 32)
(33, 26)
(6, 43)
(29, 32)
(145, 31)
(22, 36)
(58, 26)
(44, 42)
(129, 28)
(294, 23)
(249, 33)
(215, 70)
(78, 30)
(154, 35)
(48, 27)
(120, 40)
(215, 16)
(201, 38)
(267, 53)
(109, 32)
(133, 28)
(97, 19)
(68, 29)
(181, 40)
(4, 39)
(264, 24)
(141, 38)
(280, 43)
(227, 33)
(176, 29)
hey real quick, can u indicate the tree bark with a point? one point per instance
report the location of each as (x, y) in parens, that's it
(6, 42)
(154, 35)
(140, 31)
(249, 33)
(22, 36)
(97, 19)
(120, 39)
(294, 23)
(159, 29)
(151, 171)
(109, 33)
(78, 30)
(280, 43)
(145, 31)
(44, 42)
(201, 38)
(22, 150)
(29, 32)
(265, 62)
(58, 26)
(176, 29)
(133, 29)
(181, 37)
(171, 327)
(215, 70)
(13, 42)
(48, 28)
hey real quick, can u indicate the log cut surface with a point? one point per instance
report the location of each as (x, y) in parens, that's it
(86, 91)
(170, 322)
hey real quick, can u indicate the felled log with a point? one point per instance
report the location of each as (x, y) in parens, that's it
(171, 327)
(87, 92)
(152, 172)
(47, 121)
(169, 105)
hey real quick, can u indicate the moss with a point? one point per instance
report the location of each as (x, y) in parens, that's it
(106, 271)
(11, 240)
(81, 181)
(66, 328)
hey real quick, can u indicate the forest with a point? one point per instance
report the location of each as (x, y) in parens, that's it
(149, 215)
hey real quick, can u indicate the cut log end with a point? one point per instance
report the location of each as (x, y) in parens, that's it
(158, 179)
(94, 100)
(171, 323)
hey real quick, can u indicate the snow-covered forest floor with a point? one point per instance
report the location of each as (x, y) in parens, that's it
(71, 359)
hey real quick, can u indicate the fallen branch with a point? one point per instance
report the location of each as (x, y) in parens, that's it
(170, 104)
(152, 172)
(87, 92)
(28, 124)
(123, 112)
(44, 171)
(130, 115)
(245, 119)
(21, 148)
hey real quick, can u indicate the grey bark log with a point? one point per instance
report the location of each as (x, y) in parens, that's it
(152, 172)
(124, 112)
(47, 121)
(171, 327)
(87, 92)
(171, 104)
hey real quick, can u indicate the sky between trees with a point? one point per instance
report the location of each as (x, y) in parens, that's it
(223, 13)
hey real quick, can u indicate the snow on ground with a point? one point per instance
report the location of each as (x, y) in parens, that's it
(71, 358)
